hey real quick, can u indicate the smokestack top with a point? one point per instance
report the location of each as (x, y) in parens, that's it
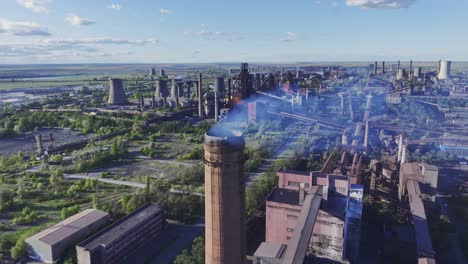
(221, 136)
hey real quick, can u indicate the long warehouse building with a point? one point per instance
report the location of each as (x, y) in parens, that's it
(117, 242)
(49, 245)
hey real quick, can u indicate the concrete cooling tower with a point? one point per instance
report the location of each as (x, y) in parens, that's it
(161, 89)
(401, 74)
(116, 92)
(219, 85)
(444, 70)
(417, 72)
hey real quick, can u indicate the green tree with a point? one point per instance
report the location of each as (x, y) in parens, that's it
(19, 250)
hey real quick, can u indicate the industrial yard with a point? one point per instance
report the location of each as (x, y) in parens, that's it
(139, 138)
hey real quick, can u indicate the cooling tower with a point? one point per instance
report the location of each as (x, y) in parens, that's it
(225, 237)
(401, 74)
(173, 89)
(116, 92)
(444, 71)
(161, 89)
(219, 85)
(417, 72)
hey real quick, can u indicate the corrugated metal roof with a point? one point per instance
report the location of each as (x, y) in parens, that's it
(69, 226)
(119, 228)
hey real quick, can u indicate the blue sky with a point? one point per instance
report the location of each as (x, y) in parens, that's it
(156, 31)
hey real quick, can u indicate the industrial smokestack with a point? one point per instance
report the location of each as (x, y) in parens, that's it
(116, 92)
(375, 68)
(216, 106)
(229, 89)
(398, 66)
(411, 67)
(383, 67)
(225, 237)
(200, 96)
(366, 134)
(444, 72)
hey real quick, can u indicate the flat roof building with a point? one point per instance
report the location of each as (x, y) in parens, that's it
(116, 243)
(50, 244)
(331, 205)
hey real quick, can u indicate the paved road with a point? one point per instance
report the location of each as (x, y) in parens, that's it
(124, 183)
(111, 181)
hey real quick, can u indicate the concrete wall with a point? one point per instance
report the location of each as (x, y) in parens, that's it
(290, 180)
(328, 236)
(281, 219)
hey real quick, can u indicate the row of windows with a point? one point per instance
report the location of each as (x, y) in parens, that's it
(297, 184)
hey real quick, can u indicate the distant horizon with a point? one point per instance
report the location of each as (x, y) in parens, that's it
(229, 62)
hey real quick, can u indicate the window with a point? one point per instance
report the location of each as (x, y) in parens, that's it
(293, 183)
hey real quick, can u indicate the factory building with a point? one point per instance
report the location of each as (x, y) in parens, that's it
(418, 183)
(336, 219)
(117, 242)
(50, 245)
(423, 173)
(225, 237)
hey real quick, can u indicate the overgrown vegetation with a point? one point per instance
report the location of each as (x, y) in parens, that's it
(194, 255)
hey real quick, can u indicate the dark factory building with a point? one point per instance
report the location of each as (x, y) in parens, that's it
(117, 242)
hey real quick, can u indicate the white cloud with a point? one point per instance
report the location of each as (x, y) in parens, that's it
(97, 41)
(205, 34)
(22, 28)
(76, 20)
(290, 36)
(164, 11)
(54, 48)
(115, 7)
(38, 6)
(389, 4)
